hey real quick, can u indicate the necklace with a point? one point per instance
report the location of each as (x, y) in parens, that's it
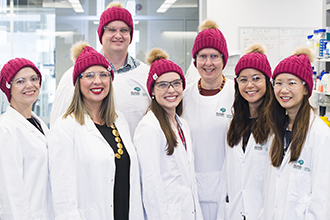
(221, 86)
(115, 133)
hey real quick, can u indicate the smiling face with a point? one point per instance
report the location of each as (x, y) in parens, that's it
(290, 94)
(115, 43)
(210, 71)
(168, 98)
(94, 90)
(254, 89)
(24, 89)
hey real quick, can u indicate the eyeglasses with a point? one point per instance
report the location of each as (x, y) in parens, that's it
(164, 85)
(212, 57)
(22, 82)
(255, 79)
(91, 75)
(290, 85)
(113, 31)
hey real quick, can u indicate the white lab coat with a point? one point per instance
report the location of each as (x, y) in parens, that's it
(208, 118)
(168, 182)
(82, 171)
(24, 180)
(130, 91)
(244, 180)
(301, 189)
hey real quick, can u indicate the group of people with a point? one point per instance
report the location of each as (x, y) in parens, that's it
(132, 141)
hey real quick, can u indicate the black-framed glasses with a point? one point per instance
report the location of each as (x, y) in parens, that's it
(164, 85)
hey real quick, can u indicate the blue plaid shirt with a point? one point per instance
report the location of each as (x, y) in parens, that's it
(129, 65)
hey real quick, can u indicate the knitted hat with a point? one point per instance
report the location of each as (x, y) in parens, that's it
(115, 12)
(299, 64)
(159, 64)
(254, 58)
(10, 69)
(210, 37)
(85, 57)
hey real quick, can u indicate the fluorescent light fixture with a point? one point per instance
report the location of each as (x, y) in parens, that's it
(74, 1)
(180, 34)
(75, 4)
(96, 22)
(170, 1)
(136, 22)
(165, 6)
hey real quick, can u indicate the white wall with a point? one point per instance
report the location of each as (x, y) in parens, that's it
(231, 14)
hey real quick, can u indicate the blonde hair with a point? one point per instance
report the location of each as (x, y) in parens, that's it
(78, 108)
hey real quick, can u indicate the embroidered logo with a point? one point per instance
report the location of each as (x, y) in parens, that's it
(155, 76)
(137, 89)
(221, 113)
(301, 162)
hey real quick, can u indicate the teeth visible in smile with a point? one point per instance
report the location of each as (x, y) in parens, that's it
(173, 97)
(286, 98)
(251, 92)
(96, 90)
(208, 71)
(29, 93)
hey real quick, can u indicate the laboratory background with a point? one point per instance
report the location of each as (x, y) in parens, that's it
(44, 30)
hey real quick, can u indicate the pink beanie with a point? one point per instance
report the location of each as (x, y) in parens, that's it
(115, 14)
(299, 64)
(255, 58)
(10, 69)
(160, 65)
(210, 37)
(87, 57)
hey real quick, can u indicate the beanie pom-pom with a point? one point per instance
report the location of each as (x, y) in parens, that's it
(114, 4)
(156, 54)
(256, 48)
(208, 24)
(76, 49)
(305, 50)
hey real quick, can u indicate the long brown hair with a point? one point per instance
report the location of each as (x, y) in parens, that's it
(240, 124)
(165, 124)
(78, 108)
(278, 121)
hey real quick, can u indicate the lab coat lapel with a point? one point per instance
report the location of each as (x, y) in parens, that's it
(24, 122)
(285, 159)
(92, 128)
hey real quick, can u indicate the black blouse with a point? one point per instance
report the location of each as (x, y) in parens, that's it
(122, 173)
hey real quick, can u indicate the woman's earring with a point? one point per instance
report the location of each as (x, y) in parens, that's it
(153, 97)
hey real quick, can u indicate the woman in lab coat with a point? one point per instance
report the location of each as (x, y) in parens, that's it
(207, 110)
(297, 184)
(162, 141)
(93, 165)
(24, 181)
(247, 137)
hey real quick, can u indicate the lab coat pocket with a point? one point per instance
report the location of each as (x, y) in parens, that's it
(90, 213)
(299, 187)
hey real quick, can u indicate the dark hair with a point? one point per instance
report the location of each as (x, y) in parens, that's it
(165, 124)
(240, 124)
(278, 121)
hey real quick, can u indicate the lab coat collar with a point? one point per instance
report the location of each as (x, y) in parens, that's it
(24, 122)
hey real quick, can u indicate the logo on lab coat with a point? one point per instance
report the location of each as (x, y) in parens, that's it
(137, 92)
(221, 113)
